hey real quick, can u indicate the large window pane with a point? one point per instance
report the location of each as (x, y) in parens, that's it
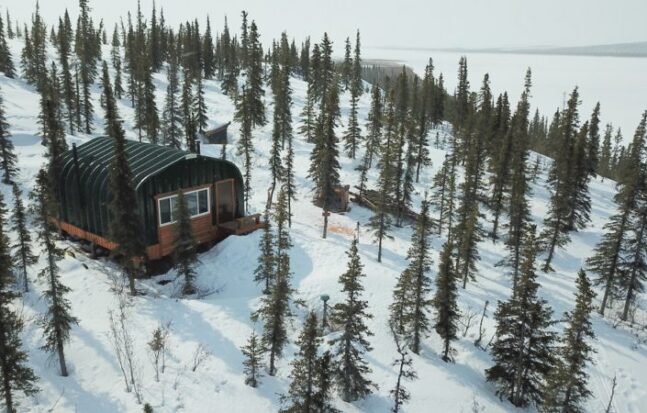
(165, 211)
(192, 203)
(203, 201)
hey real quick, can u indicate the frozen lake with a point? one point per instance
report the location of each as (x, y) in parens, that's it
(618, 83)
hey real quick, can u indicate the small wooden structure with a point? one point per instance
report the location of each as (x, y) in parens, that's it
(213, 189)
(341, 200)
(217, 136)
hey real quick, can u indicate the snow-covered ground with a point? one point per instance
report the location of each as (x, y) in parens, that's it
(221, 323)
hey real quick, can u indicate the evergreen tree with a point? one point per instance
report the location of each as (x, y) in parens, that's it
(87, 57)
(23, 255)
(253, 360)
(245, 146)
(462, 94)
(411, 301)
(53, 133)
(275, 306)
(380, 222)
(15, 373)
(347, 65)
(10, 32)
(324, 164)
(374, 125)
(124, 223)
(353, 134)
(187, 107)
(307, 115)
(424, 117)
(64, 48)
(523, 345)
(633, 267)
(593, 142)
(611, 250)
(264, 272)
(58, 320)
(561, 182)
(350, 367)
(444, 194)
(254, 78)
(230, 66)
(208, 57)
(115, 55)
(184, 249)
(517, 202)
(172, 116)
(200, 106)
(303, 387)
(6, 62)
(604, 164)
(445, 302)
(8, 158)
(567, 385)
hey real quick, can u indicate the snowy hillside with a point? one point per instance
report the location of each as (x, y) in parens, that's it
(220, 321)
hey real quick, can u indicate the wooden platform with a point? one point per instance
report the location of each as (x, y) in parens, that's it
(243, 225)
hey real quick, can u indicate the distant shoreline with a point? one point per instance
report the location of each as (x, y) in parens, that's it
(613, 50)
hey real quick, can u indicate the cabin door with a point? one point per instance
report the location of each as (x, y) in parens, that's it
(225, 201)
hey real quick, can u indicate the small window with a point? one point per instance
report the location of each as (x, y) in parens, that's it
(192, 203)
(167, 209)
(203, 201)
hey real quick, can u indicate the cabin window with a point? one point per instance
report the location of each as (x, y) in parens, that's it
(197, 203)
(167, 209)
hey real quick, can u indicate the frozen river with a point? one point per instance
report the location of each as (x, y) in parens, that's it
(618, 83)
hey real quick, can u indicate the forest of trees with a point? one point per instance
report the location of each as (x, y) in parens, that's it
(480, 193)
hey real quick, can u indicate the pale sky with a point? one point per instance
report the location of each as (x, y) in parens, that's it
(400, 23)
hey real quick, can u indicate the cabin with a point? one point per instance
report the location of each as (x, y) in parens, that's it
(217, 135)
(213, 189)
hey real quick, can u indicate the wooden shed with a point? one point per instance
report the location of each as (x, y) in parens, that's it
(213, 190)
(217, 135)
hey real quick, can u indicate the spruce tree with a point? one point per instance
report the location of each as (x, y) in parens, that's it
(253, 362)
(188, 116)
(8, 158)
(380, 222)
(172, 116)
(424, 118)
(200, 106)
(184, 248)
(245, 146)
(23, 255)
(604, 164)
(275, 306)
(254, 78)
(374, 125)
(53, 133)
(303, 385)
(15, 374)
(264, 272)
(351, 369)
(561, 182)
(462, 94)
(567, 385)
(354, 83)
(523, 346)
(64, 48)
(124, 223)
(411, 297)
(445, 303)
(593, 142)
(208, 57)
(115, 57)
(633, 267)
(6, 62)
(58, 320)
(324, 163)
(87, 57)
(611, 249)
